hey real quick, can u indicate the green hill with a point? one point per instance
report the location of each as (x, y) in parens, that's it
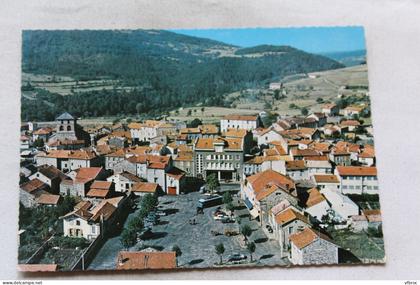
(165, 69)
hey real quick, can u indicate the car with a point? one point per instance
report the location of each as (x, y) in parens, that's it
(227, 220)
(161, 213)
(220, 216)
(237, 257)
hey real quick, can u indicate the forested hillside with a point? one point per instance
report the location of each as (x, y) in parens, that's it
(165, 70)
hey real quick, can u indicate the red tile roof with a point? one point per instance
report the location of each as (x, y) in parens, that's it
(33, 185)
(145, 187)
(268, 181)
(356, 171)
(48, 199)
(37, 267)
(289, 215)
(241, 117)
(306, 237)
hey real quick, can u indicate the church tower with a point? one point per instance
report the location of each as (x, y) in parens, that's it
(66, 127)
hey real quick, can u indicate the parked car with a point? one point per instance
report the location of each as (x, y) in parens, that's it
(227, 220)
(161, 213)
(220, 216)
(237, 257)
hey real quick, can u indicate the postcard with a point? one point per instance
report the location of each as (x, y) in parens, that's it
(201, 148)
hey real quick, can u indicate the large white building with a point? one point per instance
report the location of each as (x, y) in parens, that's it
(357, 180)
(247, 122)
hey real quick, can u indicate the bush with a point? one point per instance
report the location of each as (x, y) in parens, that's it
(69, 242)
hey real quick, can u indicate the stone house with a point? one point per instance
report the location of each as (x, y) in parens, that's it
(124, 181)
(311, 247)
(51, 176)
(30, 191)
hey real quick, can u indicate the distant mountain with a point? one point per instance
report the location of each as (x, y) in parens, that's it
(169, 69)
(348, 58)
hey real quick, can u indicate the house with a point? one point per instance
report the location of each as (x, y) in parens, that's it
(342, 205)
(137, 260)
(48, 200)
(340, 157)
(318, 166)
(244, 135)
(184, 161)
(80, 180)
(315, 204)
(143, 188)
(357, 180)
(25, 142)
(301, 133)
(30, 191)
(285, 223)
(299, 154)
(68, 160)
(350, 125)
(100, 190)
(373, 217)
(247, 122)
(262, 163)
(359, 223)
(262, 191)
(175, 181)
(351, 111)
(312, 247)
(330, 109)
(51, 176)
(268, 135)
(90, 221)
(42, 134)
(124, 181)
(320, 118)
(367, 156)
(297, 169)
(221, 156)
(326, 181)
(64, 144)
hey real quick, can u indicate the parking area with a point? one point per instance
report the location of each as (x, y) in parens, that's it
(197, 240)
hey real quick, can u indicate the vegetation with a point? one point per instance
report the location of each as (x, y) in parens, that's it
(128, 237)
(246, 231)
(212, 182)
(227, 197)
(69, 242)
(164, 71)
(251, 249)
(304, 111)
(220, 249)
(195, 123)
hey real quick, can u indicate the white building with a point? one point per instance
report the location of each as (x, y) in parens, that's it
(341, 204)
(316, 205)
(247, 122)
(124, 181)
(357, 180)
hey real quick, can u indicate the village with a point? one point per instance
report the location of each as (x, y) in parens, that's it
(160, 194)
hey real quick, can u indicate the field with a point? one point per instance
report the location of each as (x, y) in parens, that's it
(304, 92)
(65, 85)
(209, 115)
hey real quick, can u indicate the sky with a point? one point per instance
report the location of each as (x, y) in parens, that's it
(313, 39)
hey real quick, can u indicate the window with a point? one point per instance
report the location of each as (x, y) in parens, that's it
(290, 230)
(77, 223)
(93, 229)
(351, 187)
(358, 187)
(68, 128)
(375, 187)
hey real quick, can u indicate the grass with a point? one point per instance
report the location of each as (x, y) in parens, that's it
(360, 244)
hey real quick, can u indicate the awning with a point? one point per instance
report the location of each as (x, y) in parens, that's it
(248, 204)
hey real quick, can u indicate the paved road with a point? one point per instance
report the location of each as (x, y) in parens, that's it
(195, 241)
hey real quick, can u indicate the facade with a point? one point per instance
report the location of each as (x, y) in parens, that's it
(246, 122)
(222, 156)
(330, 110)
(124, 181)
(51, 176)
(358, 180)
(30, 191)
(310, 247)
(68, 160)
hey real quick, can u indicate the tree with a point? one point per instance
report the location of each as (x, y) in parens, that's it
(149, 202)
(212, 182)
(227, 198)
(136, 224)
(304, 111)
(38, 142)
(277, 94)
(178, 252)
(195, 123)
(230, 207)
(128, 238)
(220, 249)
(246, 231)
(251, 248)
(319, 100)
